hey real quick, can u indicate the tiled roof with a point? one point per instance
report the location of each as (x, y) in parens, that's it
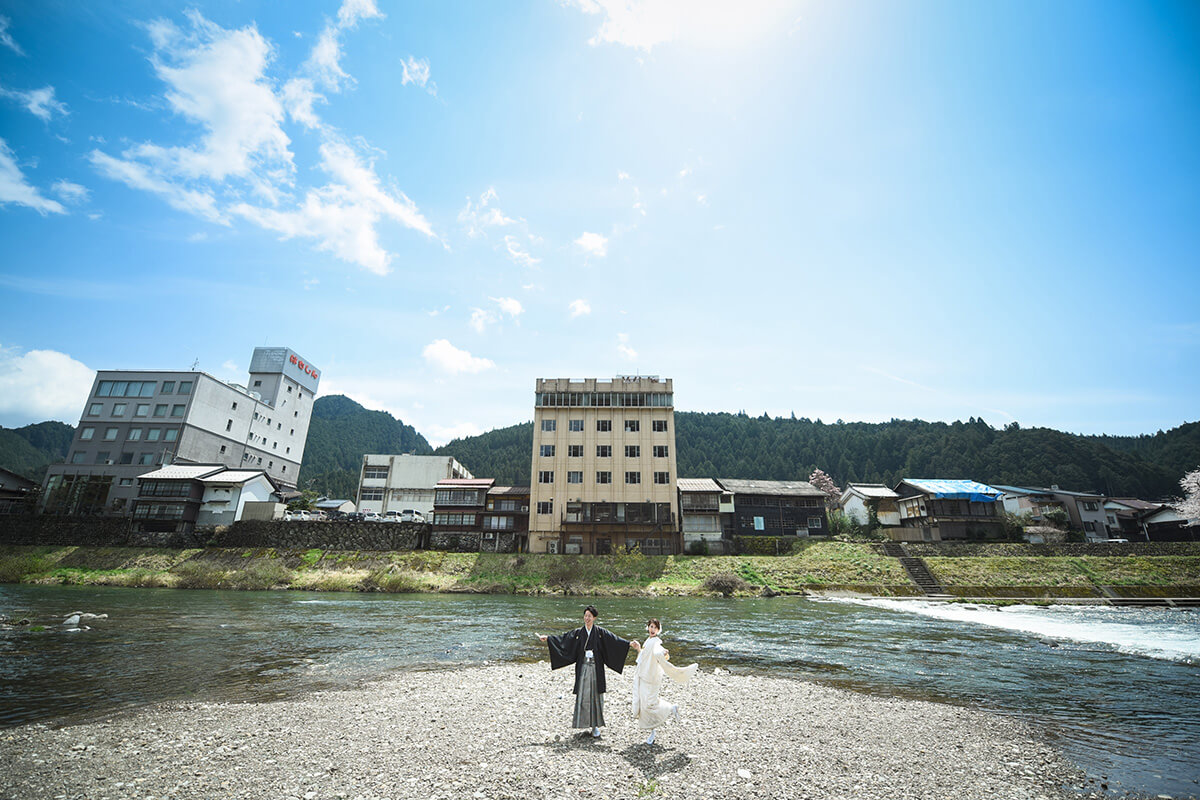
(698, 485)
(797, 488)
(870, 490)
(181, 472)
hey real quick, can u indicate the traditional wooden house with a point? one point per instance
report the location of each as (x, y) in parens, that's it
(774, 508)
(941, 510)
(700, 515)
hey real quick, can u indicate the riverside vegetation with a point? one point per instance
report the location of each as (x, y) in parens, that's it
(812, 567)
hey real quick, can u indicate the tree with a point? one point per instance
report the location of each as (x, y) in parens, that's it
(825, 483)
(1189, 506)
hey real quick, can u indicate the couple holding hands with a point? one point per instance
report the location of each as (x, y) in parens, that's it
(592, 648)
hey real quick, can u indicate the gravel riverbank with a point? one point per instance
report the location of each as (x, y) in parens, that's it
(502, 731)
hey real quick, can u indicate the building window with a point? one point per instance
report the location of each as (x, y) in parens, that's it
(146, 458)
(659, 426)
(160, 410)
(222, 450)
(1090, 506)
(662, 478)
(141, 410)
(660, 451)
(126, 482)
(546, 507)
(119, 409)
(110, 434)
(292, 432)
(171, 434)
(126, 389)
(153, 434)
(270, 465)
(574, 477)
(633, 451)
(375, 473)
(289, 389)
(234, 406)
(104, 457)
(260, 461)
(86, 434)
(257, 384)
(126, 458)
(549, 425)
(372, 494)
(814, 523)
(95, 409)
(177, 411)
(575, 425)
(1090, 527)
(546, 476)
(168, 387)
(603, 425)
(546, 451)
(633, 477)
(604, 451)
(285, 467)
(78, 456)
(632, 426)
(135, 434)
(574, 451)
(603, 477)
(229, 425)
(185, 387)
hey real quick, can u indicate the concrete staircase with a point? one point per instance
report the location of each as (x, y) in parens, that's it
(917, 570)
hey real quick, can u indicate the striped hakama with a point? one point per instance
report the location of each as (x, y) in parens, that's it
(589, 703)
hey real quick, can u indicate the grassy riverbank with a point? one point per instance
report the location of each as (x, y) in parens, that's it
(817, 567)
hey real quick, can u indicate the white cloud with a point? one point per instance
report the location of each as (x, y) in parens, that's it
(683, 173)
(623, 176)
(593, 243)
(138, 176)
(579, 308)
(642, 24)
(15, 189)
(39, 102)
(476, 218)
(480, 318)
(42, 384)
(342, 215)
(299, 96)
(627, 352)
(509, 305)
(416, 71)
(6, 38)
(70, 192)
(702, 199)
(325, 60)
(438, 435)
(230, 366)
(518, 253)
(449, 358)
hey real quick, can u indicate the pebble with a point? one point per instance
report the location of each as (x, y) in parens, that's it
(503, 732)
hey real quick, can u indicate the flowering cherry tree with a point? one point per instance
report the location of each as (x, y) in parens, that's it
(825, 483)
(1189, 506)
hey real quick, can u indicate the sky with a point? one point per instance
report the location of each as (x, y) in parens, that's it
(838, 210)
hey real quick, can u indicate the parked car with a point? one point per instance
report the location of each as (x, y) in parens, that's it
(391, 516)
(411, 515)
(1117, 541)
(371, 516)
(297, 516)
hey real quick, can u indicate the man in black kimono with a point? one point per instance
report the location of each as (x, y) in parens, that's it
(591, 649)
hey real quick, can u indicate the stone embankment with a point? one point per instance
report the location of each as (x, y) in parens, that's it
(502, 732)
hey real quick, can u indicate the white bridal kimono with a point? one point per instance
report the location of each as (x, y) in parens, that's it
(652, 665)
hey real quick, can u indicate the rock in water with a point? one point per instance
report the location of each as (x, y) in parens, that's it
(72, 620)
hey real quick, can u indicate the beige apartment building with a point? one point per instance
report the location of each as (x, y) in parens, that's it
(603, 476)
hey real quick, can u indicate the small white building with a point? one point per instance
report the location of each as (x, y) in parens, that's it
(227, 492)
(183, 497)
(401, 482)
(858, 498)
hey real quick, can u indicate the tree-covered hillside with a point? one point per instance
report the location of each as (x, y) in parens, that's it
(739, 446)
(341, 432)
(29, 450)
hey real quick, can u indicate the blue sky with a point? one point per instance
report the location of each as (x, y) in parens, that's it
(843, 210)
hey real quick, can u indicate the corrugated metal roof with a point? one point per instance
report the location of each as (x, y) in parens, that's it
(698, 485)
(178, 472)
(797, 488)
(871, 490)
(955, 489)
(479, 483)
(233, 476)
(509, 490)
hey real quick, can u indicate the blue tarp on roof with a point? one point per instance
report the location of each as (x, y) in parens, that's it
(956, 490)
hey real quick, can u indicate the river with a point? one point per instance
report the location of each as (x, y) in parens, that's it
(1117, 689)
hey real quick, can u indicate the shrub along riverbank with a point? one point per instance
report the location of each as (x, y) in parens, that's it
(817, 567)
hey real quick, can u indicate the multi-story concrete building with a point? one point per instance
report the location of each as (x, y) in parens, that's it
(603, 475)
(400, 482)
(137, 420)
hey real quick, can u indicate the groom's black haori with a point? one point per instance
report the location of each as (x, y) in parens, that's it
(607, 650)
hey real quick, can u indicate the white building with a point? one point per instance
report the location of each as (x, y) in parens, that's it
(136, 420)
(400, 482)
(857, 499)
(183, 497)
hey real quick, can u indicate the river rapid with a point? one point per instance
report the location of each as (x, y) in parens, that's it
(1117, 689)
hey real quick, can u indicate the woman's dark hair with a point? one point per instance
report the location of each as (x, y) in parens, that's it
(654, 622)
(592, 609)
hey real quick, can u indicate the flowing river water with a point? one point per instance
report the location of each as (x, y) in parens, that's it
(1117, 689)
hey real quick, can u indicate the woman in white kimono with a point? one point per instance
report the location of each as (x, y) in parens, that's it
(652, 665)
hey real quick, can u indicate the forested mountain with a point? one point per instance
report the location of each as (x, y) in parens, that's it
(341, 432)
(29, 450)
(739, 446)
